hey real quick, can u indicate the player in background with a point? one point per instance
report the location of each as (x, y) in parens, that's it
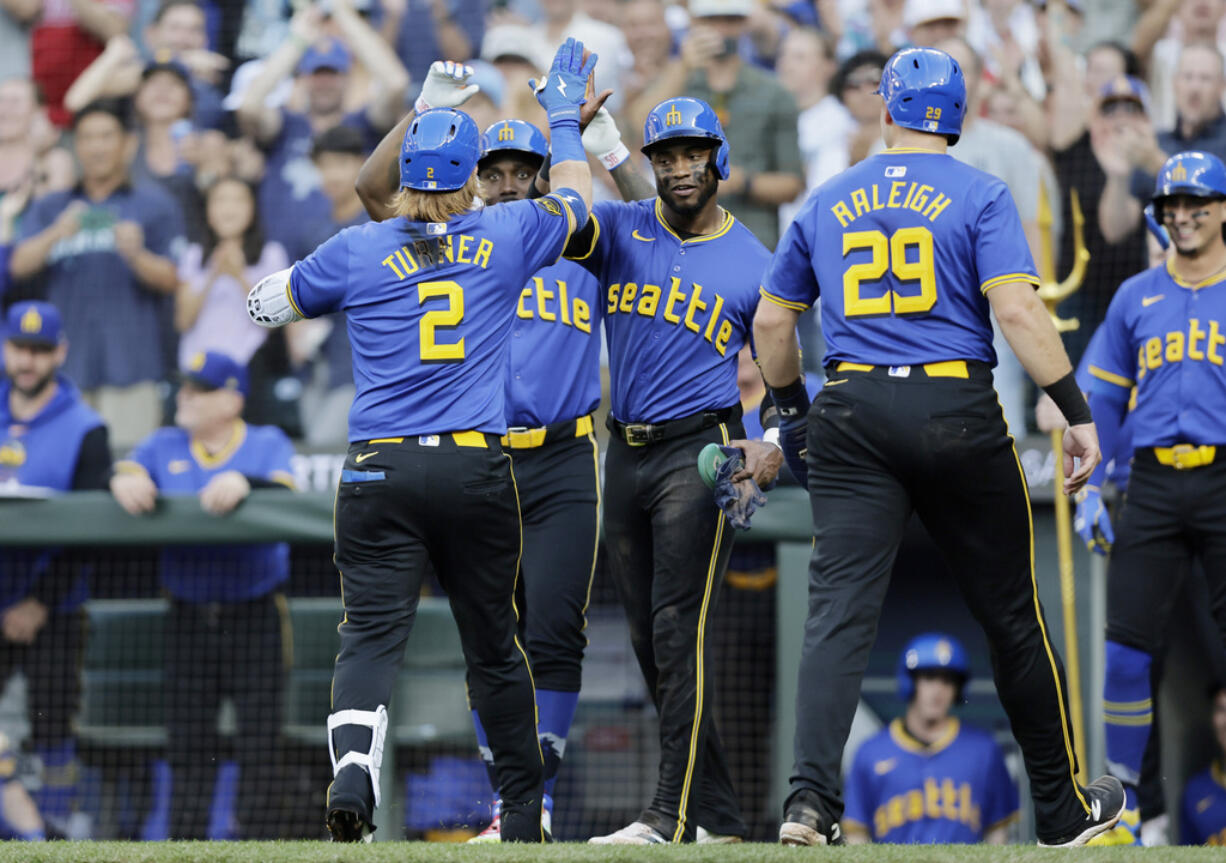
(907, 251)
(1204, 797)
(430, 297)
(1163, 334)
(927, 778)
(49, 438)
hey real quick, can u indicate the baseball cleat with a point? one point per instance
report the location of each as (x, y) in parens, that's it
(1106, 798)
(349, 810)
(345, 825)
(637, 833)
(805, 824)
(493, 833)
(703, 836)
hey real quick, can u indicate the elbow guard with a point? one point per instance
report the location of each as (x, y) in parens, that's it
(269, 303)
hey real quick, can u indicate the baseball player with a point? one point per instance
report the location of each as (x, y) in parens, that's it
(907, 251)
(679, 278)
(1204, 797)
(1163, 335)
(430, 298)
(927, 778)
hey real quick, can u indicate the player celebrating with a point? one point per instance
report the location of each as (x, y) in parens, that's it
(430, 297)
(1164, 333)
(927, 778)
(907, 250)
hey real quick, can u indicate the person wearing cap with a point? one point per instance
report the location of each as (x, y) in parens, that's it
(758, 114)
(106, 252)
(928, 778)
(516, 52)
(227, 615)
(49, 439)
(927, 22)
(290, 191)
(1159, 37)
(567, 18)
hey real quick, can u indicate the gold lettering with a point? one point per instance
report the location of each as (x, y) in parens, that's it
(1153, 352)
(721, 339)
(1195, 334)
(521, 310)
(542, 295)
(860, 201)
(876, 200)
(938, 205)
(894, 812)
(949, 799)
(613, 290)
(674, 296)
(915, 806)
(445, 250)
(1174, 347)
(842, 213)
(483, 253)
(407, 261)
(583, 316)
(462, 255)
(1141, 362)
(628, 294)
(920, 201)
(696, 304)
(895, 188)
(563, 302)
(1215, 338)
(906, 204)
(932, 798)
(389, 262)
(881, 824)
(719, 305)
(649, 301)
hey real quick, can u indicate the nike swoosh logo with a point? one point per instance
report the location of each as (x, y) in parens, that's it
(836, 383)
(1149, 301)
(635, 233)
(1096, 810)
(358, 459)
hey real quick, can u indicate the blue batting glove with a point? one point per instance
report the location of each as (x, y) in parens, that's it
(1091, 521)
(563, 90)
(739, 501)
(792, 402)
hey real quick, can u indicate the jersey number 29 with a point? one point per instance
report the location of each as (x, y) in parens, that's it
(431, 350)
(890, 253)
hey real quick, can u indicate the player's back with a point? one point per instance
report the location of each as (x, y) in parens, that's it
(907, 243)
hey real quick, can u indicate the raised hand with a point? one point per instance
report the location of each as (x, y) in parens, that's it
(564, 89)
(446, 86)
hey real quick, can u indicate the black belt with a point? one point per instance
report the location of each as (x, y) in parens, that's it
(642, 434)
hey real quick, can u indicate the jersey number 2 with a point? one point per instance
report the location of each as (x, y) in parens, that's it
(890, 253)
(432, 351)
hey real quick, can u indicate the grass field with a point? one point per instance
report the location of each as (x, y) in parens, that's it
(420, 852)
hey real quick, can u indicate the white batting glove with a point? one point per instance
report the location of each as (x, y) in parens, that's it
(602, 139)
(446, 86)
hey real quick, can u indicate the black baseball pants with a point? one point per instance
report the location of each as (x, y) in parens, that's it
(879, 447)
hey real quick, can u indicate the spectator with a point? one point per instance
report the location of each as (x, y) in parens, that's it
(645, 27)
(518, 54)
(876, 26)
(291, 183)
(855, 85)
(18, 105)
(928, 22)
(1196, 21)
(757, 113)
(927, 778)
(50, 439)
(339, 154)
(423, 31)
(805, 68)
(68, 37)
(1076, 86)
(16, 19)
(1204, 797)
(215, 276)
(108, 252)
(564, 18)
(225, 624)
(1006, 35)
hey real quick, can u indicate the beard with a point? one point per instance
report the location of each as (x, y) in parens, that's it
(707, 187)
(36, 389)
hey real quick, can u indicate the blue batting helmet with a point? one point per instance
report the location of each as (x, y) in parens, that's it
(685, 117)
(440, 150)
(515, 136)
(924, 89)
(931, 651)
(1193, 173)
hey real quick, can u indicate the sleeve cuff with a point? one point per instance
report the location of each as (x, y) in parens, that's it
(284, 478)
(1008, 277)
(780, 301)
(595, 238)
(129, 466)
(289, 295)
(1110, 377)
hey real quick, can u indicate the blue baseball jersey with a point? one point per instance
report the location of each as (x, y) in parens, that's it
(1204, 808)
(1119, 463)
(954, 791)
(41, 451)
(1166, 338)
(554, 374)
(677, 310)
(218, 573)
(429, 309)
(902, 249)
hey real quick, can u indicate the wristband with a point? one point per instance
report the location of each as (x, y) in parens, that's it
(421, 106)
(792, 400)
(771, 436)
(614, 157)
(1070, 400)
(566, 145)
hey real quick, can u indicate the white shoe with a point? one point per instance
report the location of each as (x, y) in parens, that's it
(703, 836)
(637, 833)
(493, 833)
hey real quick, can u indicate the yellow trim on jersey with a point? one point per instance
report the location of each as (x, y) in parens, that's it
(1129, 721)
(851, 825)
(1051, 656)
(289, 295)
(694, 755)
(284, 478)
(1110, 377)
(223, 455)
(128, 466)
(1128, 706)
(724, 228)
(892, 150)
(997, 281)
(595, 239)
(780, 301)
(904, 740)
(1003, 822)
(570, 223)
(1212, 280)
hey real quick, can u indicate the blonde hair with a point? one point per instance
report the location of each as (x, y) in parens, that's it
(418, 206)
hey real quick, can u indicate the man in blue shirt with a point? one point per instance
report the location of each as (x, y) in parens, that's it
(49, 439)
(1204, 797)
(224, 630)
(928, 778)
(107, 253)
(908, 251)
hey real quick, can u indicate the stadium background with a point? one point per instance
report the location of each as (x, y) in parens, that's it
(608, 771)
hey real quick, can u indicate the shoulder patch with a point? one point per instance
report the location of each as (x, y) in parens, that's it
(549, 205)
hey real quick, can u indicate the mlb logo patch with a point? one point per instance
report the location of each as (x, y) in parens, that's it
(436, 229)
(930, 125)
(428, 440)
(896, 171)
(430, 184)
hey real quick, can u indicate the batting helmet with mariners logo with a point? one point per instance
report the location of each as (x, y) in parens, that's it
(513, 136)
(932, 651)
(440, 151)
(924, 89)
(685, 117)
(1192, 173)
